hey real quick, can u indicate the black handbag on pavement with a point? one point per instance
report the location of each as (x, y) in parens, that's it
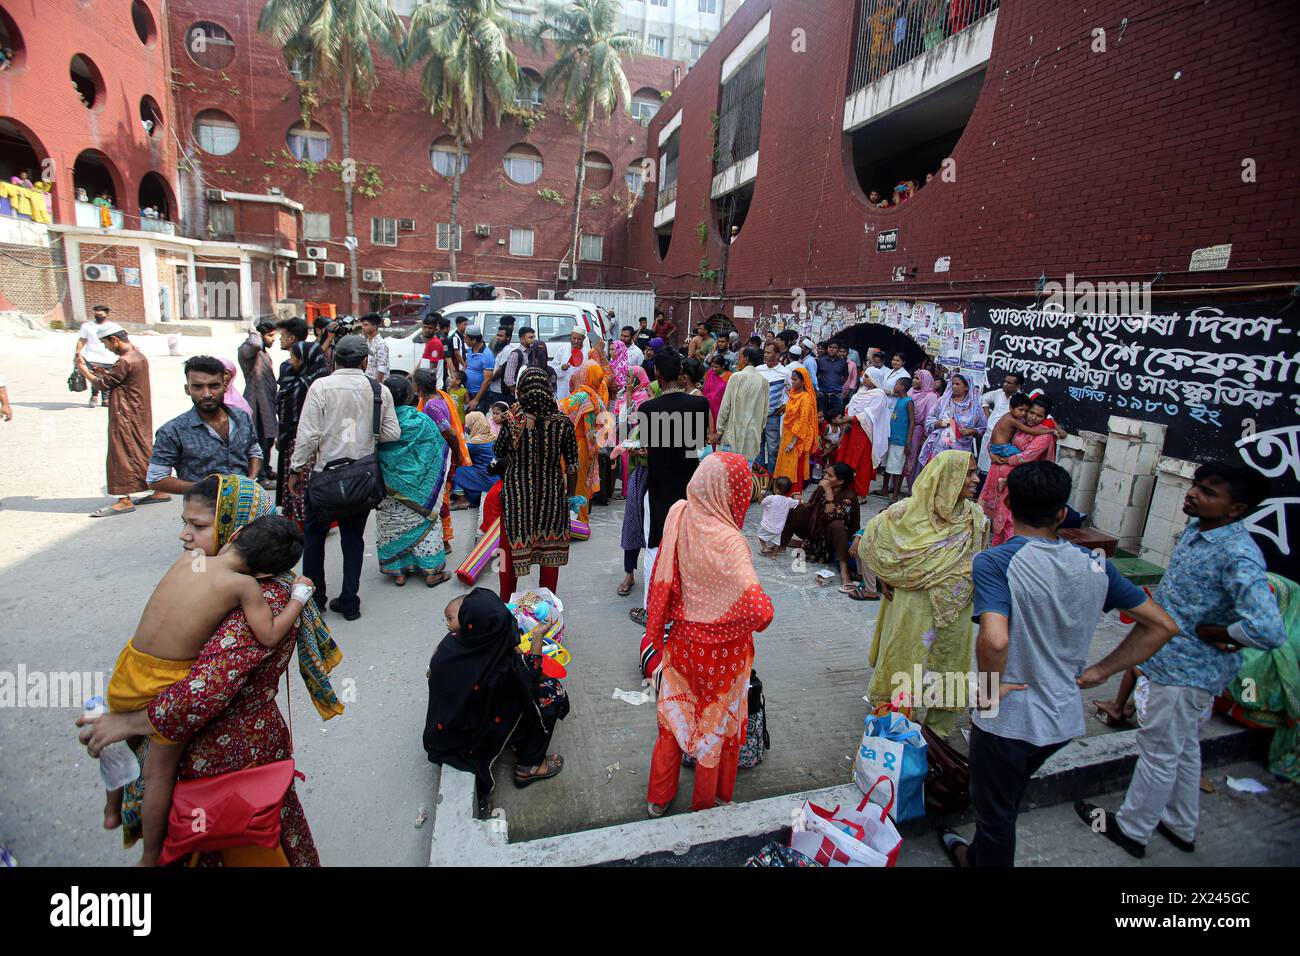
(349, 486)
(76, 381)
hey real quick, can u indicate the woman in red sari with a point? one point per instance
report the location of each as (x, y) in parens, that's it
(866, 434)
(705, 587)
(993, 498)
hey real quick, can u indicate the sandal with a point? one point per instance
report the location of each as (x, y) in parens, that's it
(625, 589)
(553, 764)
(950, 840)
(858, 593)
(638, 616)
(400, 580)
(656, 810)
(153, 499)
(433, 580)
(108, 511)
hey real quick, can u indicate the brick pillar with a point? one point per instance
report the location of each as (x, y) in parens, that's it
(1128, 477)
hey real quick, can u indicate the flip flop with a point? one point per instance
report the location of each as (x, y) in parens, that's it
(858, 593)
(949, 839)
(152, 500)
(1110, 721)
(433, 580)
(109, 511)
(625, 589)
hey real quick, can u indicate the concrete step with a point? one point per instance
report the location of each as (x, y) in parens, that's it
(725, 836)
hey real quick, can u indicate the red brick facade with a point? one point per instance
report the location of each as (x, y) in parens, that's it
(394, 136)
(1107, 165)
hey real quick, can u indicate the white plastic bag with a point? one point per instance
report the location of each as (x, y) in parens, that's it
(841, 837)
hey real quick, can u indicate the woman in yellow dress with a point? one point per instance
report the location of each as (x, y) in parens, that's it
(799, 440)
(585, 407)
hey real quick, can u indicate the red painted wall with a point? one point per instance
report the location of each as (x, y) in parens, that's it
(1100, 164)
(37, 93)
(395, 135)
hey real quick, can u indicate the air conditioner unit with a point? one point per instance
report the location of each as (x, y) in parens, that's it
(406, 225)
(304, 268)
(564, 272)
(317, 252)
(546, 293)
(99, 273)
(442, 277)
(216, 195)
(482, 231)
(372, 276)
(334, 270)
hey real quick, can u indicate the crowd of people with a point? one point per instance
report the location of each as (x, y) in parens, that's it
(689, 438)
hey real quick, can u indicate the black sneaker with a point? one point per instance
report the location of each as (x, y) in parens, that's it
(350, 615)
(1104, 822)
(1187, 846)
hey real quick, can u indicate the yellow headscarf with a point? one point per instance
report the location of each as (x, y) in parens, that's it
(927, 542)
(593, 379)
(800, 421)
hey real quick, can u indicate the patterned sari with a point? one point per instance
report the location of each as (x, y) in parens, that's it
(585, 408)
(408, 525)
(705, 586)
(923, 547)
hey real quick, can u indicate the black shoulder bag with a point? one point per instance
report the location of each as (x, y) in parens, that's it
(348, 486)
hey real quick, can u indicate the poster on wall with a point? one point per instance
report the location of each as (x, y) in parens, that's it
(950, 332)
(131, 277)
(1224, 377)
(975, 355)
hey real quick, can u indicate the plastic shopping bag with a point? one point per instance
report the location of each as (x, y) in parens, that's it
(864, 837)
(893, 749)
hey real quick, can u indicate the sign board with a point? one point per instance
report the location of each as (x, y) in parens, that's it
(1210, 259)
(743, 312)
(887, 240)
(942, 263)
(1223, 376)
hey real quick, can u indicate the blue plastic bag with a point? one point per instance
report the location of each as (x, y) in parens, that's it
(891, 765)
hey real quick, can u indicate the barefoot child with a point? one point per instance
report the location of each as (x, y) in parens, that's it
(186, 607)
(1010, 423)
(776, 508)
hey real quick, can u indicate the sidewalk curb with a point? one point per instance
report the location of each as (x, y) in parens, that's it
(1085, 767)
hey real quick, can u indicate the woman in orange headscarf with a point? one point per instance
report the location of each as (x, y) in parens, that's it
(704, 585)
(798, 432)
(585, 407)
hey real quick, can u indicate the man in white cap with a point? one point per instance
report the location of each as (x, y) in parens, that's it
(130, 420)
(93, 351)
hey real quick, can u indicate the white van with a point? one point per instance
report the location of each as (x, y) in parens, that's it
(553, 320)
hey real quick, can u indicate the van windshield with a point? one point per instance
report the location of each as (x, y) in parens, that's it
(549, 328)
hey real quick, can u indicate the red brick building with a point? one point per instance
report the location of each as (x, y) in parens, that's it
(240, 86)
(1112, 211)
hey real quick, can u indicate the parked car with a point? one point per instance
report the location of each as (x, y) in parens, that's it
(553, 321)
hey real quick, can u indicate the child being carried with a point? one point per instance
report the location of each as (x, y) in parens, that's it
(188, 605)
(1010, 423)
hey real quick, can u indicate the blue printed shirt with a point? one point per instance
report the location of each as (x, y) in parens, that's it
(1214, 577)
(189, 445)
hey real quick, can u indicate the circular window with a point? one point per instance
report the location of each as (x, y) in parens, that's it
(216, 132)
(87, 82)
(443, 157)
(150, 116)
(309, 142)
(600, 171)
(523, 164)
(11, 43)
(209, 45)
(143, 22)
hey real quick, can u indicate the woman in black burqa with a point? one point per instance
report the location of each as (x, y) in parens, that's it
(484, 694)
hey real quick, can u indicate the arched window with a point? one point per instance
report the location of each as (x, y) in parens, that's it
(600, 171)
(645, 104)
(634, 176)
(150, 116)
(216, 132)
(11, 43)
(443, 157)
(308, 142)
(155, 198)
(142, 20)
(528, 92)
(523, 164)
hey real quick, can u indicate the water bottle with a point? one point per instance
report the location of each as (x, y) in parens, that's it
(117, 763)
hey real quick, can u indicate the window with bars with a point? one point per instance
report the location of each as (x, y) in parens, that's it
(592, 248)
(315, 225)
(668, 163)
(521, 242)
(221, 218)
(656, 45)
(708, 6)
(383, 232)
(740, 116)
(444, 236)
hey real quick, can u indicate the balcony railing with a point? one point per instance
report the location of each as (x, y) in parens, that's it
(88, 215)
(892, 33)
(667, 196)
(158, 225)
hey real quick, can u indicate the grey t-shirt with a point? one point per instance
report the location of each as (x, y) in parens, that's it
(1052, 593)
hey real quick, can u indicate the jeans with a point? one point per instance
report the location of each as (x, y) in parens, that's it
(771, 439)
(352, 538)
(1000, 768)
(1166, 783)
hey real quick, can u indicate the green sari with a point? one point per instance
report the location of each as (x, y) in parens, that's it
(408, 526)
(1266, 690)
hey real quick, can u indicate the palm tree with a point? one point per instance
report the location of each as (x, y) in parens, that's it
(469, 73)
(588, 69)
(337, 36)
